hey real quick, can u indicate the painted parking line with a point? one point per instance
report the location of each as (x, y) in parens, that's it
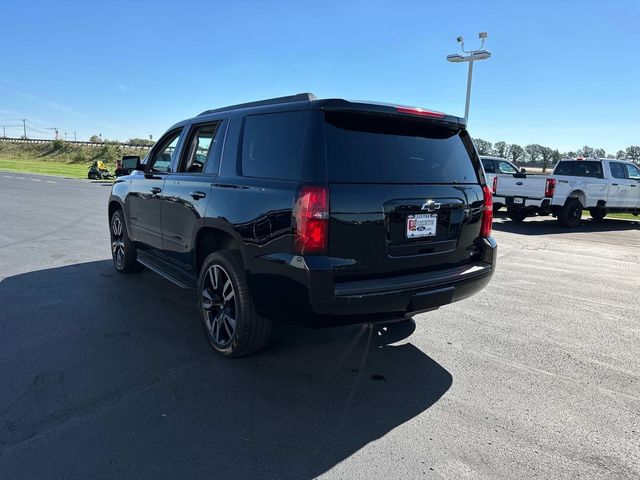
(35, 179)
(19, 178)
(8, 176)
(49, 181)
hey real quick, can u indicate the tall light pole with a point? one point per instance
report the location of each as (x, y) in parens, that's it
(471, 56)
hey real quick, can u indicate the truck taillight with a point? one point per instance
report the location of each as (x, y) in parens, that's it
(487, 213)
(550, 187)
(495, 185)
(311, 214)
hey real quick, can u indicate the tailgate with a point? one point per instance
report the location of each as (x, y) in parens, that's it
(379, 230)
(532, 186)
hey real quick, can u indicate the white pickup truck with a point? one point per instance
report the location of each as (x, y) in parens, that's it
(599, 185)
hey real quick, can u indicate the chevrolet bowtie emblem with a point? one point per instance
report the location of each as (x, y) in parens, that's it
(430, 206)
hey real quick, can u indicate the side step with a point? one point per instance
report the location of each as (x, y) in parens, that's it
(162, 268)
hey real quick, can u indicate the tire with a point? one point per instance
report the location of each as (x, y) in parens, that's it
(571, 213)
(123, 252)
(597, 214)
(231, 323)
(516, 214)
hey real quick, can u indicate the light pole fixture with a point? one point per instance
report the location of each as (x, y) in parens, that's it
(470, 57)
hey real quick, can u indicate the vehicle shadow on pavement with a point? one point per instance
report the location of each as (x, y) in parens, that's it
(550, 226)
(108, 375)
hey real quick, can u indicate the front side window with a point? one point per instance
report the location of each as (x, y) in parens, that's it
(633, 171)
(617, 170)
(272, 145)
(199, 148)
(162, 158)
(506, 167)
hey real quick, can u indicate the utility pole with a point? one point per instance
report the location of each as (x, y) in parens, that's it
(4, 131)
(24, 127)
(75, 138)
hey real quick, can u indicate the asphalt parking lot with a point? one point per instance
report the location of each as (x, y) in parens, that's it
(110, 376)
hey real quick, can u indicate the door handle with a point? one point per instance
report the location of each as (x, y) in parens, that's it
(198, 195)
(155, 190)
(633, 185)
(614, 184)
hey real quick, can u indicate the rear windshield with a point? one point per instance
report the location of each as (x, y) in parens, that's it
(578, 168)
(367, 148)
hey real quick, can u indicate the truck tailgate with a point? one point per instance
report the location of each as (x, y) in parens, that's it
(531, 186)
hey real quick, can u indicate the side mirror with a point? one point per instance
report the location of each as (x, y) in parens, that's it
(132, 162)
(523, 170)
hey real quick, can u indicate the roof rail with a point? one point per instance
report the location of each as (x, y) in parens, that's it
(299, 97)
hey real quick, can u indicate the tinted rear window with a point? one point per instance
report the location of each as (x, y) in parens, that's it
(367, 148)
(272, 145)
(580, 169)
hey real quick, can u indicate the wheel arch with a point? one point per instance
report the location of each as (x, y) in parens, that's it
(210, 239)
(113, 206)
(115, 203)
(579, 195)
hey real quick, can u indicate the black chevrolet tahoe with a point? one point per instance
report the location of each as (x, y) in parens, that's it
(308, 211)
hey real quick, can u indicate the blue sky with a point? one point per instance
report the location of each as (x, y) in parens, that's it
(563, 74)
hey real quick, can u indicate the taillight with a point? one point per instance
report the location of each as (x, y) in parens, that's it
(550, 187)
(487, 213)
(495, 185)
(311, 213)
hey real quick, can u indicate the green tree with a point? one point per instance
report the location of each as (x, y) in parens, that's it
(515, 152)
(95, 139)
(139, 141)
(500, 149)
(621, 154)
(546, 154)
(533, 152)
(599, 153)
(586, 152)
(570, 154)
(633, 153)
(483, 147)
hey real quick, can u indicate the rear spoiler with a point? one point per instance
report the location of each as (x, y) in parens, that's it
(389, 109)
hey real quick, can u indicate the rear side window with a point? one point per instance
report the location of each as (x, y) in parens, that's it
(580, 169)
(272, 145)
(488, 166)
(368, 148)
(617, 170)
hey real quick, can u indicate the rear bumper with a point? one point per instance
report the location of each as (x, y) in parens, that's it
(525, 202)
(310, 297)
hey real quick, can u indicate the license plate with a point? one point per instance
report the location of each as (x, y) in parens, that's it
(422, 225)
(518, 201)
